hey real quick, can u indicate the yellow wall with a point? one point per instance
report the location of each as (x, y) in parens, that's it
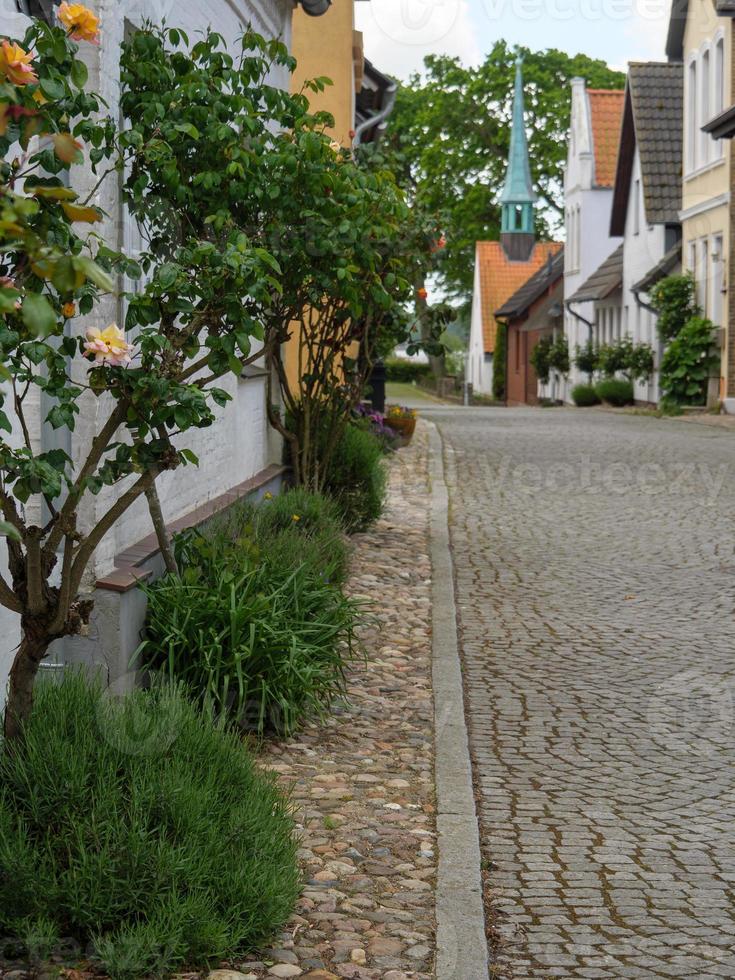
(329, 45)
(326, 46)
(705, 186)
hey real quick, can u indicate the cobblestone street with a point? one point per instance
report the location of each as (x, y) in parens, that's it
(595, 577)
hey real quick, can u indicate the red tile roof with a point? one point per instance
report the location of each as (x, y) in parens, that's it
(606, 111)
(500, 278)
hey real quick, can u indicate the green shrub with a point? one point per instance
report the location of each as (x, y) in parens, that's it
(584, 395)
(401, 369)
(687, 364)
(540, 359)
(142, 827)
(615, 391)
(356, 479)
(587, 359)
(559, 355)
(261, 633)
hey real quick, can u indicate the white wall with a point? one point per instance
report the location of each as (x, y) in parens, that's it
(642, 250)
(587, 224)
(239, 444)
(479, 367)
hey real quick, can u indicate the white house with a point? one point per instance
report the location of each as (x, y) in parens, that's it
(644, 215)
(239, 453)
(589, 175)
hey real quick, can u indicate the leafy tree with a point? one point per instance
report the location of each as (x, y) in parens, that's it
(587, 359)
(540, 358)
(559, 355)
(450, 133)
(675, 300)
(207, 148)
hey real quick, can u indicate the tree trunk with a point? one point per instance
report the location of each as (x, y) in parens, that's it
(159, 525)
(20, 687)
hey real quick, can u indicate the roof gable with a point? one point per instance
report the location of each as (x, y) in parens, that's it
(606, 114)
(652, 122)
(604, 280)
(534, 288)
(500, 277)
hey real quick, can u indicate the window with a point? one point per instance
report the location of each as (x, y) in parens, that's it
(692, 259)
(718, 260)
(703, 276)
(691, 114)
(518, 217)
(718, 101)
(636, 207)
(705, 141)
(578, 236)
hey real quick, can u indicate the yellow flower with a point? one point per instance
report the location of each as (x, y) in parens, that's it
(15, 64)
(268, 495)
(108, 346)
(296, 517)
(80, 23)
(69, 310)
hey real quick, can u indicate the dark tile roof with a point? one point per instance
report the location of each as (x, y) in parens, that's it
(663, 267)
(603, 281)
(657, 96)
(523, 298)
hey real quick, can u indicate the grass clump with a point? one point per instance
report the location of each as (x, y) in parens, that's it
(615, 391)
(585, 395)
(142, 827)
(256, 620)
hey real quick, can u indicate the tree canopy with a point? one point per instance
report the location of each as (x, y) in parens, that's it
(449, 137)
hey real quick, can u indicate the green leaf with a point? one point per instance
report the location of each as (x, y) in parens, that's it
(38, 315)
(52, 89)
(79, 73)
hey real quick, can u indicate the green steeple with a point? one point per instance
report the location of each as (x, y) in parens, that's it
(517, 198)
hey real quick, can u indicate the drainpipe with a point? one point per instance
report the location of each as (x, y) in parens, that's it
(641, 303)
(578, 316)
(380, 117)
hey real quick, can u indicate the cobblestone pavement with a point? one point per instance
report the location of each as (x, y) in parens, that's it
(595, 583)
(362, 779)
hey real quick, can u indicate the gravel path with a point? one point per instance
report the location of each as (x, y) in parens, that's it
(363, 780)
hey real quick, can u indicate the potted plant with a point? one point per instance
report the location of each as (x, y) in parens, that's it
(402, 420)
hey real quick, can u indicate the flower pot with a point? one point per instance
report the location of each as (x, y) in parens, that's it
(405, 427)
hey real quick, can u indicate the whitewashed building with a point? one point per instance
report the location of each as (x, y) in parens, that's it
(644, 216)
(239, 454)
(592, 153)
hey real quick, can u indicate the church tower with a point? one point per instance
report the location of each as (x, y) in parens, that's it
(517, 198)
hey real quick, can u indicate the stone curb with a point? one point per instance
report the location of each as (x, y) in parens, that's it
(460, 938)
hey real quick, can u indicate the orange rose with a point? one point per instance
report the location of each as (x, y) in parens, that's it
(421, 293)
(69, 310)
(80, 23)
(15, 64)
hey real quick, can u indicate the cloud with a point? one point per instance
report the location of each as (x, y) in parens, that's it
(400, 33)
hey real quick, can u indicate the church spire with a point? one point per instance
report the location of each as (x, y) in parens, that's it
(517, 198)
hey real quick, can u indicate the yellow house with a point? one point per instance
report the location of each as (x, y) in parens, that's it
(329, 45)
(701, 38)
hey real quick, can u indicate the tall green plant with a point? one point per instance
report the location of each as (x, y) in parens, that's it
(540, 358)
(674, 299)
(559, 355)
(687, 364)
(587, 359)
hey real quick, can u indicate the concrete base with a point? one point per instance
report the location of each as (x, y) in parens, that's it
(729, 406)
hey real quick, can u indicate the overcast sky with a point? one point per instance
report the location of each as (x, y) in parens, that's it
(399, 33)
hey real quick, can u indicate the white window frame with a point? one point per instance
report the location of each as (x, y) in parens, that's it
(704, 106)
(691, 103)
(717, 260)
